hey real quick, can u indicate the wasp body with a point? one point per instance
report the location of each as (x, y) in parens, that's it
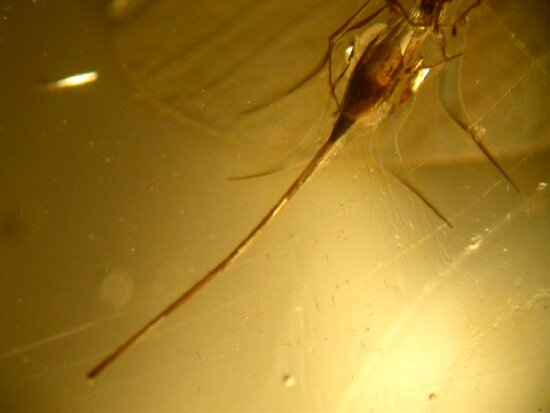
(386, 75)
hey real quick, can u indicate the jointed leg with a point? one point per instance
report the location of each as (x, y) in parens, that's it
(406, 182)
(461, 19)
(450, 96)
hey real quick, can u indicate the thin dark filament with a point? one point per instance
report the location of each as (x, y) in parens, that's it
(462, 16)
(338, 130)
(420, 196)
(491, 158)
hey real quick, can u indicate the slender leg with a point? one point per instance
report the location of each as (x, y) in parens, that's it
(405, 181)
(443, 61)
(450, 93)
(443, 47)
(450, 96)
(460, 20)
(462, 16)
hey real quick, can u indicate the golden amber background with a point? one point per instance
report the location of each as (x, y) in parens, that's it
(114, 200)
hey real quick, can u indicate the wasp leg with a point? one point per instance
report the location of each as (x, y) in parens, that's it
(390, 130)
(458, 21)
(461, 18)
(450, 96)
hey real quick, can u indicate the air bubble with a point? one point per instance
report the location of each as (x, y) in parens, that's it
(475, 242)
(117, 289)
(289, 380)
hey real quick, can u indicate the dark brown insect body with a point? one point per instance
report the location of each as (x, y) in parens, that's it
(372, 82)
(384, 76)
(387, 72)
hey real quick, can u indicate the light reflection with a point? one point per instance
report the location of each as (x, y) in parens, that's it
(349, 52)
(80, 79)
(419, 78)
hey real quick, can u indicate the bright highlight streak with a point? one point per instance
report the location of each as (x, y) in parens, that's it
(349, 52)
(419, 78)
(73, 81)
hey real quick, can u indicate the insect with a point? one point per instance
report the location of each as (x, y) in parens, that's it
(382, 80)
